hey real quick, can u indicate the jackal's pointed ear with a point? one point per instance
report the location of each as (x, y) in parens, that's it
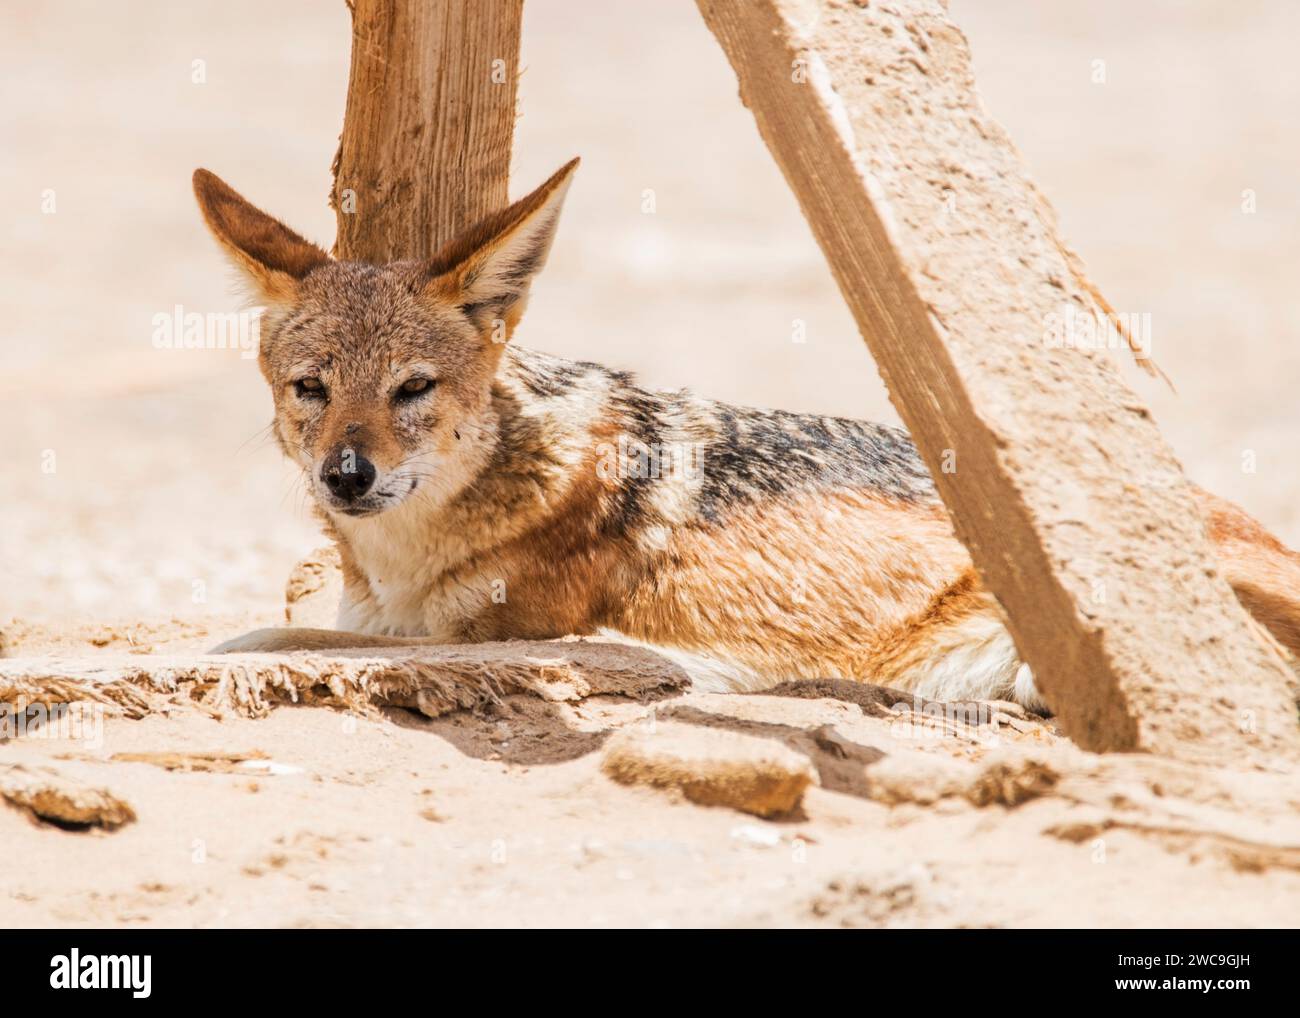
(271, 255)
(488, 269)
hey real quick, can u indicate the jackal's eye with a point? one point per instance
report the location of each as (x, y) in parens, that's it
(309, 388)
(413, 388)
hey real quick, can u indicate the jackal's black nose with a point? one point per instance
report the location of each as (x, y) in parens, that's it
(347, 473)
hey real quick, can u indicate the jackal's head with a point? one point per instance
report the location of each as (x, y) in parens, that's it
(380, 372)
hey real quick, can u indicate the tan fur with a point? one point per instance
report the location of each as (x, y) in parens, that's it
(772, 588)
(809, 548)
(1262, 571)
(264, 247)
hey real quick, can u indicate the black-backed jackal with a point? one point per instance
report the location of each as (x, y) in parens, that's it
(478, 491)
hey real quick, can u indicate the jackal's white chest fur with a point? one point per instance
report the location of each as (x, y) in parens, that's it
(415, 579)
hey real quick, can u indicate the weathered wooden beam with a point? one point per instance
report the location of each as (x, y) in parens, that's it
(1075, 511)
(430, 117)
(434, 679)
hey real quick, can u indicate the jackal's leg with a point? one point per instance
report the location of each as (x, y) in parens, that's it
(959, 648)
(956, 648)
(270, 641)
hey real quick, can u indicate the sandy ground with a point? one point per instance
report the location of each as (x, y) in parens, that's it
(506, 820)
(145, 510)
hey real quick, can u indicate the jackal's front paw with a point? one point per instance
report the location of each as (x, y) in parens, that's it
(263, 641)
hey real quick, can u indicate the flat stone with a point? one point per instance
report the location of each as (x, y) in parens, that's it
(710, 767)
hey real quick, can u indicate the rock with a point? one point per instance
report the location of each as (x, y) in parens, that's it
(314, 589)
(1003, 780)
(916, 777)
(710, 767)
(1009, 782)
(62, 801)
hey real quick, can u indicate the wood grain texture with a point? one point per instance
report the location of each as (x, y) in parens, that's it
(1074, 509)
(435, 679)
(425, 150)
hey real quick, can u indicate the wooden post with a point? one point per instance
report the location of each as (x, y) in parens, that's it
(430, 116)
(1075, 511)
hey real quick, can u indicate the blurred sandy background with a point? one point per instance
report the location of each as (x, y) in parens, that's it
(165, 500)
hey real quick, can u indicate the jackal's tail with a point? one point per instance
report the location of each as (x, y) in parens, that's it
(1262, 571)
(957, 647)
